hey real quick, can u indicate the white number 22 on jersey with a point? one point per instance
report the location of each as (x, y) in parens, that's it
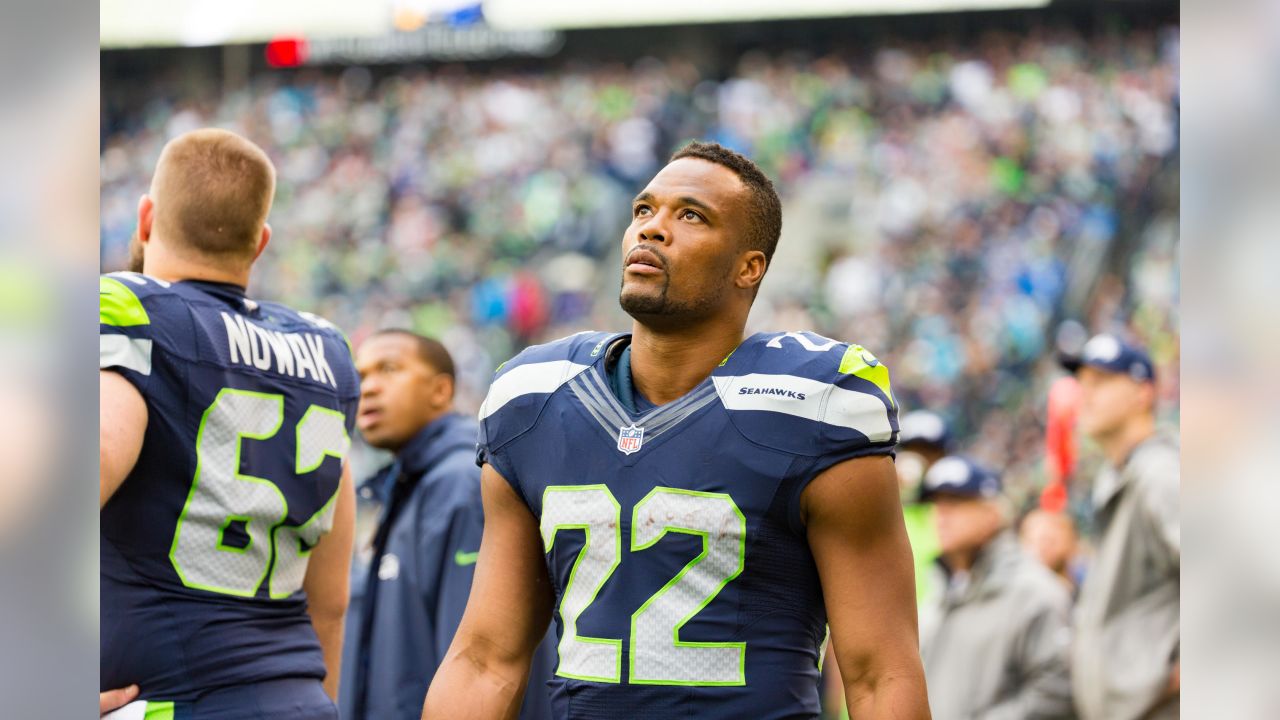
(220, 495)
(657, 654)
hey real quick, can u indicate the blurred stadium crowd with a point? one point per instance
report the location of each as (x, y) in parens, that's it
(947, 204)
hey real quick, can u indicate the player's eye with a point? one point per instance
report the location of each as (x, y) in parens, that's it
(641, 210)
(690, 215)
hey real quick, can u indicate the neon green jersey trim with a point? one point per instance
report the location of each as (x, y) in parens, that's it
(466, 558)
(860, 363)
(118, 305)
(159, 710)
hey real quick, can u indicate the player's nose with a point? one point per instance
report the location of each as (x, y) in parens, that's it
(654, 230)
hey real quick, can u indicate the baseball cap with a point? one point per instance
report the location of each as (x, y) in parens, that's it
(960, 476)
(1111, 353)
(924, 427)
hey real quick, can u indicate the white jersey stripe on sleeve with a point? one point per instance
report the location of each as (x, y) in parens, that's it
(809, 399)
(861, 411)
(126, 352)
(531, 379)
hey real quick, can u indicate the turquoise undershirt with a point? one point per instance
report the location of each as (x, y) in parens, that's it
(619, 375)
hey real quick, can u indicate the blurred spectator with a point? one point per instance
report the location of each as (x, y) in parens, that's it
(996, 641)
(1050, 537)
(1125, 658)
(412, 586)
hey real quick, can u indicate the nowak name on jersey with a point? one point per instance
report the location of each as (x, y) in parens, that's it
(294, 353)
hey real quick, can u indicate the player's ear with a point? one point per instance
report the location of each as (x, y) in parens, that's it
(751, 267)
(146, 216)
(442, 390)
(262, 243)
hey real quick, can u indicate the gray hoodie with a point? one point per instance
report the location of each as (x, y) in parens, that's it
(996, 642)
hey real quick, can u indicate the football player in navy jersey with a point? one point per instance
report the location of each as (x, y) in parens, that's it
(693, 507)
(226, 505)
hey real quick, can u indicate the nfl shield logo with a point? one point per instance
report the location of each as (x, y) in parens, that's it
(630, 439)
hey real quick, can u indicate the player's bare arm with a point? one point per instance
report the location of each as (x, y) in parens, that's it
(122, 423)
(484, 674)
(854, 525)
(327, 579)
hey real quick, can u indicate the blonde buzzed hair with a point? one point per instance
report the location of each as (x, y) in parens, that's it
(212, 191)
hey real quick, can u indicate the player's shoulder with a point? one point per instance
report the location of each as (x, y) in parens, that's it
(128, 299)
(832, 392)
(804, 354)
(140, 317)
(815, 358)
(286, 318)
(541, 369)
(522, 385)
(581, 349)
(144, 312)
(327, 343)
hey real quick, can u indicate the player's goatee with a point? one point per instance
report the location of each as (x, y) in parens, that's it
(639, 305)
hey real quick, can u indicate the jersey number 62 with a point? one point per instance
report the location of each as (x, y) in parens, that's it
(222, 496)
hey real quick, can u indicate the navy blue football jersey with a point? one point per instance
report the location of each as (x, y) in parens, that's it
(684, 586)
(204, 546)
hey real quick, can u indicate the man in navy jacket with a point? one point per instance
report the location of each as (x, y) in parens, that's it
(409, 596)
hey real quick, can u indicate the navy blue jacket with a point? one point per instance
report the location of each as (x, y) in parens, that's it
(408, 599)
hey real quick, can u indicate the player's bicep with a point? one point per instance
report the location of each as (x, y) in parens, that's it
(122, 425)
(854, 525)
(510, 603)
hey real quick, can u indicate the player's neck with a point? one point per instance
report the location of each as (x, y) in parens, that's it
(171, 267)
(666, 365)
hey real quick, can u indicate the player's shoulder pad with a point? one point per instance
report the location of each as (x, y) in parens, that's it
(803, 393)
(522, 385)
(127, 299)
(136, 313)
(278, 316)
(311, 322)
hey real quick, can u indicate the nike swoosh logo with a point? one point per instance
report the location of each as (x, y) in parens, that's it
(870, 363)
(466, 558)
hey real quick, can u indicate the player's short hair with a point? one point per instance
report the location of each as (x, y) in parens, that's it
(212, 191)
(766, 209)
(431, 351)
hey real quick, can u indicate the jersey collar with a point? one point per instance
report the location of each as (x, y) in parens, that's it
(226, 291)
